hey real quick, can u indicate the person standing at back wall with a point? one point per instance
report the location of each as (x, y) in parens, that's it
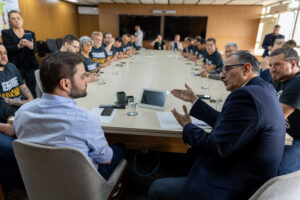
(21, 47)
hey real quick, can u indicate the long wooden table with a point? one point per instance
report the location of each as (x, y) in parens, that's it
(161, 70)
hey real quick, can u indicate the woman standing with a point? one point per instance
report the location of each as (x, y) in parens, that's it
(21, 47)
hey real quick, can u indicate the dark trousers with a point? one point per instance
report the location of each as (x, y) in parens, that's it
(119, 152)
(10, 176)
(29, 77)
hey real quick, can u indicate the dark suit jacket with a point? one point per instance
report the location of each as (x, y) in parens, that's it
(244, 148)
(23, 58)
(268, 41)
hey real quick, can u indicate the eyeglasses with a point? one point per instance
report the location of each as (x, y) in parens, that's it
(226, 68)
(87, 45)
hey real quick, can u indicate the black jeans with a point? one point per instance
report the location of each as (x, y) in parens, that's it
(29, 77)
(10, 176)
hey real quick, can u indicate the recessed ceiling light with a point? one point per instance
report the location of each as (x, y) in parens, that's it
(73, 1)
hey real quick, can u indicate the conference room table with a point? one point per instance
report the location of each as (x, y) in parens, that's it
(149, 69)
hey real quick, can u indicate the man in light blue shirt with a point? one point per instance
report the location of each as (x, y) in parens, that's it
(139, 34)
(55, 119)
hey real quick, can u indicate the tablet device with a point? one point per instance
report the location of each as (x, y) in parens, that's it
(154, 99)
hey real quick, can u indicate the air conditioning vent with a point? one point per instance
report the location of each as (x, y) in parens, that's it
(85, 10)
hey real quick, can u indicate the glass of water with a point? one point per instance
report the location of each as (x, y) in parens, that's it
(132, 107)
(114, 69)
(205, 84)
(219, 103)
(101, 79)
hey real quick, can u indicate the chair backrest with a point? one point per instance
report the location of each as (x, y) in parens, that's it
(58, 173)
(39, 85)
(52, 45)
(42, 48)
(285, 187)
(59, 42)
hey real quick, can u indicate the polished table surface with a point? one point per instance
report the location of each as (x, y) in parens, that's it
(159, 70)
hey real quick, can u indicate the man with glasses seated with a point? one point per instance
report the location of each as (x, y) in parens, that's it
(70, 43)
(245, 146)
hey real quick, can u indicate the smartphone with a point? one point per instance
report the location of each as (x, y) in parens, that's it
(97, 70)
(203, 96)
(107, 111)
(27, 36)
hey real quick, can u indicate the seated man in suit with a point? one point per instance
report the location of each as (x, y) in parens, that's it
(55, 119)
(245, 146)
(269, 39)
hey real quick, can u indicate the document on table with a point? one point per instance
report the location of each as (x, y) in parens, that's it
(168, 121)
(103, 119)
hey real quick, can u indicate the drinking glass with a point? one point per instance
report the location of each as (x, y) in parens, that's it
(132, 107)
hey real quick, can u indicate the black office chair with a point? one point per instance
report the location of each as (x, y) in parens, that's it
(59, 42)
(52, 45)
(42, 48)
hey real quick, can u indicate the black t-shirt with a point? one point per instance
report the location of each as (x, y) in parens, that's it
(214, 59)
(289, 94)
(89, 65)
(159, 45)
(127, 47)
(111, 53)
(10, 80)
(186, 49)
(192, 49)
(99, 55)
(200, 53)
(117, 50)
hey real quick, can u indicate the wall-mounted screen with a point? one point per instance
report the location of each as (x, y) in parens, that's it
(184, 26)
(150, 25)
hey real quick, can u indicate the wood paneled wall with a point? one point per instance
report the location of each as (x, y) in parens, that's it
(225, 23)
(49, 20)
(87, 24)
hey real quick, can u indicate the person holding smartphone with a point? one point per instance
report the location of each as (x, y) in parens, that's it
(86, 44)
(21, 48)
(159, 43)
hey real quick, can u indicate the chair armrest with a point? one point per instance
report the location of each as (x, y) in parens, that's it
(114, 177)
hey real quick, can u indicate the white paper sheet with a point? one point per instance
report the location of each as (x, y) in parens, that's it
(103, 119)
(168, 121)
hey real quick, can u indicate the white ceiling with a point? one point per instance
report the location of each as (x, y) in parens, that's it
(200, 2)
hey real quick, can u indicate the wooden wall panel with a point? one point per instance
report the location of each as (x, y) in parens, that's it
(87, 24)
(49, 20)
(225, 23)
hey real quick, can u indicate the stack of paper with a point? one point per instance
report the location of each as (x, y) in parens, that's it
(168, 121)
